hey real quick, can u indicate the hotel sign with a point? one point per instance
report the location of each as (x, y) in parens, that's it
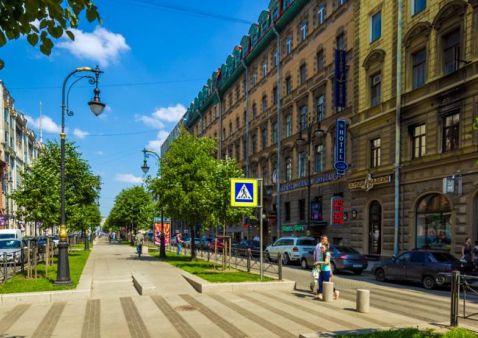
(340, 164)
(370, 182)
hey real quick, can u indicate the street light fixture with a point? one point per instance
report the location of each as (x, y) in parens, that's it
(145, 167)
(97, 107)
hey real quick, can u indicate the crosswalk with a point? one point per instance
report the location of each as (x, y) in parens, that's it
(254, 314)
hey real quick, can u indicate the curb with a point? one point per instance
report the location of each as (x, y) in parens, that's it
(44, 297)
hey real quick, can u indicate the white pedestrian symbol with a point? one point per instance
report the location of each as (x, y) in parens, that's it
(244, 194)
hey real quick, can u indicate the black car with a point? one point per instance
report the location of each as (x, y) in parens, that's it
(242, 248)
(421, 266)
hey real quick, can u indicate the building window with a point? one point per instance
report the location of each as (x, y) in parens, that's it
(276, 58)
(244, 148)
(303, 74)
(342, 2)
(253, 144)
(375, 27)
(419, 143)
(419, 62)
(264, 137)
(238, 151)
(304, 28)
(254, 110)
(322, 13)
(320, 60)
(451, 132)
(289, 45)
(451, 51)
(303, 117)
(288, 169)
(230, 128)
(375, 89)
(418, 6)
(319, 158)
(376, 153)
(274, 133)
(238, 123)
(254, 79)
(340, 40)
(301, 204)
(288, 85)
(433, 223)
(301, 164)
(264, 103)
(275, 95)
(287, 211)
(320, 107)
(288, 125)
(264, 69)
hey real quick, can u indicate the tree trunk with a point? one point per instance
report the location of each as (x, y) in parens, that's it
(193, 245)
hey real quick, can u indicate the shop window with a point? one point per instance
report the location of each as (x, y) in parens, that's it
(301, 164)
(375, 27)
(288, 85)
(322, 13)
(375, 153)
(287, 211)
(320, 107)
(319, 158)
(451, 51)
(375, 89)
(419, 65)
(418, 6)
(303, 74)
(301, 204)
(419, 144)
(451, 132)
(288, 169)
(433, 222)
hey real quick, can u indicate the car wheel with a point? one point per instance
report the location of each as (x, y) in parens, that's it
(429, 282)
(380, 275)
(303, 264)
(285, 259)
(358, 272)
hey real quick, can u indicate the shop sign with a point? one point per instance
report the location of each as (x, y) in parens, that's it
(303, 183)
(337, 211)
(292, 228)
(340, 164)
(316, 210)
(453, 185)
(370, 182)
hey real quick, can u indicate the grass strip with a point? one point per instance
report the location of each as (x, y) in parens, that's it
(414, 333)
(44, 282)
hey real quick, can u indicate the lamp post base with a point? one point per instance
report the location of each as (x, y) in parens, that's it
(63, 273)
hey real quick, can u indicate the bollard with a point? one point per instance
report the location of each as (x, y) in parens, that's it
(328, 291)
(279, 263)
(455, 289)
(4, 266)
(208, 254)
(249, 261)
(363, 301)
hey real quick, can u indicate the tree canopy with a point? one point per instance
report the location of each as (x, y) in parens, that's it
(38, 196)
(42, 20)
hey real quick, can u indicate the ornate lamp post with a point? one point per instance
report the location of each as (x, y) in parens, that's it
(97, 107)
(145, 169)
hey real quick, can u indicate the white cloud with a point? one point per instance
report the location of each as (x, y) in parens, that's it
(101, 45)
(171, 114)
(128, 178)
(100, 153)
(80, 133)
(155, 145)
(47, 124)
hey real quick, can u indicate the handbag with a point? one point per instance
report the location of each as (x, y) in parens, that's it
(315, 272)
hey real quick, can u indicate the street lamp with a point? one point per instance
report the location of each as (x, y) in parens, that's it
(300, 141)
(145, 169)
(97, 107)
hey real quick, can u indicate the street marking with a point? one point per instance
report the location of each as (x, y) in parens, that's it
(136, 325)
(229, 328)
(178, 322)
(91, 323)
(284, 314)
(49, 322)
(253, 317)
(12, 316)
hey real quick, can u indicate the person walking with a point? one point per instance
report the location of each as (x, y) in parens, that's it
(179, 243)
(467, 251)
(138, 241)
(325, 274)
(317, 258)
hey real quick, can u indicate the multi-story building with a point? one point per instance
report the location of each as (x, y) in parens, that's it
(18, 149)
(281, 91)
(438, 91)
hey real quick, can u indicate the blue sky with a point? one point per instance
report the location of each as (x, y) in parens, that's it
(155, 61)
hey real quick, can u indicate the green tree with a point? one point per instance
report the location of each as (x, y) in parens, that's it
(133, 209)
(42, 20)
(38, 196)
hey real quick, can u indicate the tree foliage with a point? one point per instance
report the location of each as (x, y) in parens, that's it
(42, 20)
(133, 208)
(38, 196)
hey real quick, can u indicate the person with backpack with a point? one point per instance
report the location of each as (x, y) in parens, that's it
(138, 241)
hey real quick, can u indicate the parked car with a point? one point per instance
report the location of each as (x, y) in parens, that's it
(241, 248)
(343, 258)
(56, 240)
(293, 249)
(10, 233)
(216, 243)
(12, 248)
(421, 266)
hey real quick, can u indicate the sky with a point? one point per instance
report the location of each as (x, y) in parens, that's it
(156, 55)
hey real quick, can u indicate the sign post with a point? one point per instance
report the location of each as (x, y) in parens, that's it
(244, 193)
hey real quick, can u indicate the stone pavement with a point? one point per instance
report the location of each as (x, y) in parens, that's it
(116, 310)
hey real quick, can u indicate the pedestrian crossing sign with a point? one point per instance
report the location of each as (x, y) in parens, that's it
(243, 192)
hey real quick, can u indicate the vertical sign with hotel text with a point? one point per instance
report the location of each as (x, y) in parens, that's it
(340, 164)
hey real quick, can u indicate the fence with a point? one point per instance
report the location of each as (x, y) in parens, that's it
(462, 287)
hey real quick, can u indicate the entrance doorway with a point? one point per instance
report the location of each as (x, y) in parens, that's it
(375, 229)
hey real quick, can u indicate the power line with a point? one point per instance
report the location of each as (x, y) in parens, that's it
(192, 11)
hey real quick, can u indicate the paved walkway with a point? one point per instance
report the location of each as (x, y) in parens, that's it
(116, 310)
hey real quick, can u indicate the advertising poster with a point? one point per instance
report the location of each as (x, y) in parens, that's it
(157, 233)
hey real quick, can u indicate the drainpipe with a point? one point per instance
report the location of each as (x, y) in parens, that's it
(246, 122)
(221, 136)
(397, 127)
(278, 164)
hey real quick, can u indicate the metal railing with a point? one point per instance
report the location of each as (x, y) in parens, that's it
(462, 287)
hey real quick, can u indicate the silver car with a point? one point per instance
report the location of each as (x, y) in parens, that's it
(293, 249)
(11, 249)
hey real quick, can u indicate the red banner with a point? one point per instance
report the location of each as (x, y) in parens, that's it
(337, 213)
(157, 233)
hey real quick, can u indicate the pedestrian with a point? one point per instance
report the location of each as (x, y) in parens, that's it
(317, 258)
(138, 241)
(325, 273)
(179, 243)
(467, 251)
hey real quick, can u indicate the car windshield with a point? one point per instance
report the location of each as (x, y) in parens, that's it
(10, 244)
(7, 236)
(346, 250)
(306, 242)
(441, 257)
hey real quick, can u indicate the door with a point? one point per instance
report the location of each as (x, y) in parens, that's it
(274, 249)
(375, 229)
(416, 267)
(398, 269)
